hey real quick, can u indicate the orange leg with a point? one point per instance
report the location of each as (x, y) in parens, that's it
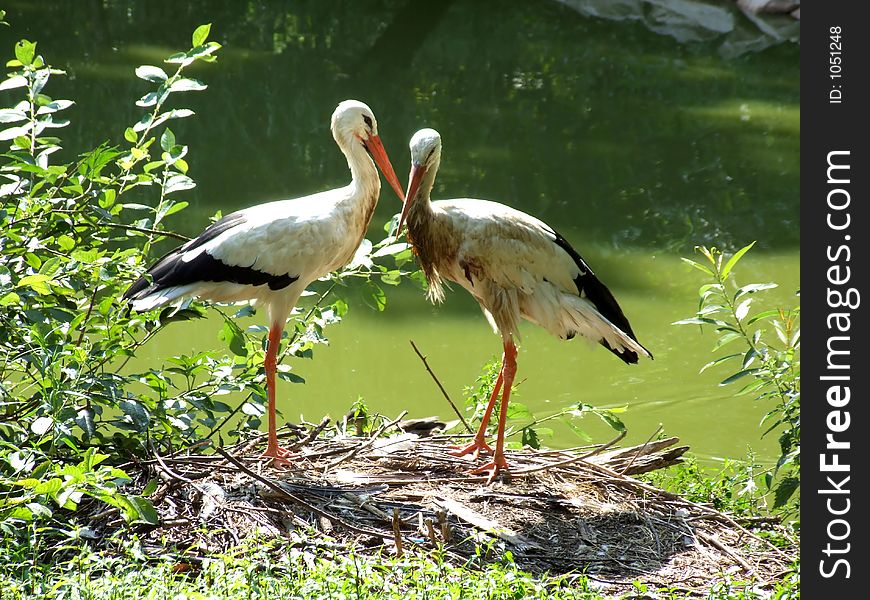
(479, 442)
(509, 370)
(278, 455)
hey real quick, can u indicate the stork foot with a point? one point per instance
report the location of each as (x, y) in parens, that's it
(278, 456)
(474, 448)
(494, 467)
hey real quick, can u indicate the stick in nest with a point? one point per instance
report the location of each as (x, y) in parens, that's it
(311, 435)
(355, 450)
(282, 492)
(397, 532)
(441, 387)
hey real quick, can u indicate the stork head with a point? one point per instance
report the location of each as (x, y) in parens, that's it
(425, 157)
(353, 122)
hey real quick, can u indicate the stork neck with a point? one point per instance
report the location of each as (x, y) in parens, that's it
(365, 181)
(421, 207)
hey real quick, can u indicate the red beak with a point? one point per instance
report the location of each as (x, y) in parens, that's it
(415, 177)
(376, 149)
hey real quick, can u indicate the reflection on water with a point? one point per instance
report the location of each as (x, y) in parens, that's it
(635, 146)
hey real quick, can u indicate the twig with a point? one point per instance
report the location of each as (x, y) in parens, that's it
(170, 234)
(486, 524)
(285, 494)
(441, 387)
(641, 449)
(397, 532)
(573, 459)
(353, 452)
(630, 481)
(444, 525)
(430, 530)
(311, 434)
(720, 546)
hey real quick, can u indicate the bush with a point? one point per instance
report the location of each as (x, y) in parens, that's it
(768, 354)
(73, 237)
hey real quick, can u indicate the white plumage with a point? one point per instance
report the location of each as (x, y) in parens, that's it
(268, 254)
(516, 266)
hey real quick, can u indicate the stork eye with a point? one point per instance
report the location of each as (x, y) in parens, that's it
(368, 121)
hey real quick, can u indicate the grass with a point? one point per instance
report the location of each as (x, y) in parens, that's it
(276, 570)
(257, 574)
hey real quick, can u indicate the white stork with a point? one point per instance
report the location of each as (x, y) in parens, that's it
(515, 266)
(269, 253)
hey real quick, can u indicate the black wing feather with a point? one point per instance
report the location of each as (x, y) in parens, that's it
(170, 270)
(597, 293)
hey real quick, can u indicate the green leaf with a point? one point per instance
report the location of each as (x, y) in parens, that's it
(65, 242)
(611, 419)
(719, 360)
(177, 183)
(233, 336)
(41, 425)
(25, 51)
(200, 34)
(144, 510)
(733, 260)
(530, 438)
(136, 412)
(253, 409)
(699, 321)
(36, 282)
(167, 140)
(376, 298)
(751, 288)
(170, 314)
(784, 490)
(727, 338)
(391, 249)
(742, 309)
(187, 85)
(11, 115)
(151, 73)
(39, 510)
(763, 315)
(698, 266)
(179, 113)
(130, 135)
(16, 81)
(150, 487)
(737, 375)
(9, 298)
(54, 106)
(85, 420)
(52, 486)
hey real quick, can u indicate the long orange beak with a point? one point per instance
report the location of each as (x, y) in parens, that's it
(414, 179)
(376, 149)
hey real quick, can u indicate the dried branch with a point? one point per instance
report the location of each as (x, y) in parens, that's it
(441, 387)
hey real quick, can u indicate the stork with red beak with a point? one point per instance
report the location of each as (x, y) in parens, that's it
(268, 254)
(516, 267)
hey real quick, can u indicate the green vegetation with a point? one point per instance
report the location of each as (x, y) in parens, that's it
(73, 238)
(771, 361)
(72, 411)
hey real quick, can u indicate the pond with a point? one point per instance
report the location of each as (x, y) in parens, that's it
(635, 145)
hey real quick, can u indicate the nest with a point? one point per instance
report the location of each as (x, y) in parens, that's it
(558, 511)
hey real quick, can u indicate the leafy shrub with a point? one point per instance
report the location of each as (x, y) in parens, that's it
(768, 354)
(73, 236)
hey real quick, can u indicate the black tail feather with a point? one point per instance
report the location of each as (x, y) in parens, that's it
(590, 287)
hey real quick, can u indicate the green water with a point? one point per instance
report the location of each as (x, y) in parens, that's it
(636, 147)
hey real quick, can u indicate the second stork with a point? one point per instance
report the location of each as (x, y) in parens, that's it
(515, 266)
